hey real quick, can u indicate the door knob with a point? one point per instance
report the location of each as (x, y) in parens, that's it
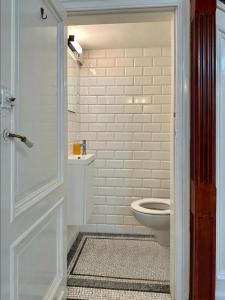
(22, 138)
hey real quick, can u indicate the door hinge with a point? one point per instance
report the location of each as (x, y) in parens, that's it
(6, 99)
(174, 124)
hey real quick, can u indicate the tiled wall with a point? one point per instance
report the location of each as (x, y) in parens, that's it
(125, 115)
(73, 77)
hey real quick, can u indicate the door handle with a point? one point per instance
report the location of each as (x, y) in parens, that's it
(22, 138)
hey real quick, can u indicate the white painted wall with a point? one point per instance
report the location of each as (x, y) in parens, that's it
(126, 32)
(125, 115)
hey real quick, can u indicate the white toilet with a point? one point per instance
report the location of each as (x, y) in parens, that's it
(154, 213)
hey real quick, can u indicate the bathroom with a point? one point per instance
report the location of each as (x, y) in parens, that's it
(112, 149)
(121, 116)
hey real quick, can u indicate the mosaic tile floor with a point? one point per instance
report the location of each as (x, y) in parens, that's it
(79, 293)
(117, 267)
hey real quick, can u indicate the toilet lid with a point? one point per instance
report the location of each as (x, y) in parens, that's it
(138, 206)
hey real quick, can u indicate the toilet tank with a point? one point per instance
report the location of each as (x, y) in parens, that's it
(80, 189)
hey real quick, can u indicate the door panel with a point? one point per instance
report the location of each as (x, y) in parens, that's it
(33, 253)
(36, 115)
(37, 280)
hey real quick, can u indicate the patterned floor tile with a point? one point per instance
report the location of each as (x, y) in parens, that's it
(78, 293)
(118, 267)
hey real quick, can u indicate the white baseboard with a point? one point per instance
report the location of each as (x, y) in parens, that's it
(72, 232)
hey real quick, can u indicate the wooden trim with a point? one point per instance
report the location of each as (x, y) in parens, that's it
(203, 149)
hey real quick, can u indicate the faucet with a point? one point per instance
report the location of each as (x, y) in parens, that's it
(84, 147)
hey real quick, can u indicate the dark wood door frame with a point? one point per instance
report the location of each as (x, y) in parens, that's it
(203, 149)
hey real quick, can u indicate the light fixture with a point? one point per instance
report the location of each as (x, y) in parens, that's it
(74, 45)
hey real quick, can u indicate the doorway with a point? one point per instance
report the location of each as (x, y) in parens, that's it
(84, 20)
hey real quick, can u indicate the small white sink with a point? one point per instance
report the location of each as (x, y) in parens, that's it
(81, 159)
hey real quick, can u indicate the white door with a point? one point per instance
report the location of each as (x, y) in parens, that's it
(32, 178)
(220, 164)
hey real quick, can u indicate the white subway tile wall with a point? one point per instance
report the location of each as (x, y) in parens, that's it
(125, 115)
(73, 77)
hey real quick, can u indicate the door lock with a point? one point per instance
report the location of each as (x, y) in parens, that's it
(6, 99)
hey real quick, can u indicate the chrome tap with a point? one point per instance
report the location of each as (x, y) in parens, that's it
(84, 147)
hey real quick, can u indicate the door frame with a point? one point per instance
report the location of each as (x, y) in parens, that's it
(220, 274)
(180, 282)
(203, 149)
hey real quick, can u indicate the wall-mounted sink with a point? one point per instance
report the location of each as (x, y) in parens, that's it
(80, 196)
(81, 159)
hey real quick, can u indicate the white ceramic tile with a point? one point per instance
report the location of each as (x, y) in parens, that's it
(161, 99)
(152, 51)
(133, 52)
(143, 80)
(124, 81)
(106, 62)
(97, 53)
(123, 136)
(143, 62)
(117, 71)
(115, 53)
(97, 109)
(97, 91)
(161, 80)
(97, 72)
(133, 90)
(115, 90)
(105, 81)
(131, 71)
(89, 63)
(166, 51)
(133, 108)
(124, 62)
(152, 71)
(152, 90)
(115, 109)
(124, 112)
(152, 109)
(161, 61)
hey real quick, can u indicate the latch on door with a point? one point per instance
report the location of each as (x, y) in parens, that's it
(6, 99)
(23, 139)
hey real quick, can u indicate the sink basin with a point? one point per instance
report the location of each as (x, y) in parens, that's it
(81, 159)
(80, 189)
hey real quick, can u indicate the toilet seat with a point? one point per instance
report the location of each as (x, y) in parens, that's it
(137, 206)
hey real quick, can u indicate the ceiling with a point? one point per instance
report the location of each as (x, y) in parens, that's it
(123, 35)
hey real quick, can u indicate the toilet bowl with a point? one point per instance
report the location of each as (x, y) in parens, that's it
(155, 214)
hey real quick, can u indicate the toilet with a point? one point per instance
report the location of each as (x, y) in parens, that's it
(155, 214)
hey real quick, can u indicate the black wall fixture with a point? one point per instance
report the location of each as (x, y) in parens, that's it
(71, 39)
(43, 14)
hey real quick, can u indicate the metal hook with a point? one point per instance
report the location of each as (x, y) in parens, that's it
(42, 14)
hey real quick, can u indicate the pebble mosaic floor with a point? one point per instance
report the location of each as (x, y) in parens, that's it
(102, 266)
